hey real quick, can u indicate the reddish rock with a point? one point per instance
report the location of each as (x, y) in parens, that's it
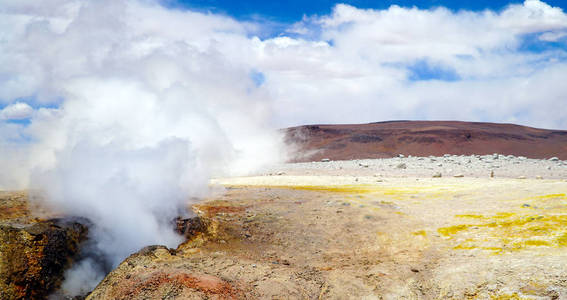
(424, 138)
(156, 272)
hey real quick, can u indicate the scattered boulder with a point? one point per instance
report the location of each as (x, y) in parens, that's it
(401, 166)
(437, 175)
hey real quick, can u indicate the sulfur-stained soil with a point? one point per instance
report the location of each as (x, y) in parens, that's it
(34, 252)
(362, 237)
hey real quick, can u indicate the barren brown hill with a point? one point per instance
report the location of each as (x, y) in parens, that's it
(424, 138)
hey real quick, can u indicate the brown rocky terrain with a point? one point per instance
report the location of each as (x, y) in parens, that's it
(347, 237)
(445, 227)
(424, 138)
(34, 253)
(333, 230)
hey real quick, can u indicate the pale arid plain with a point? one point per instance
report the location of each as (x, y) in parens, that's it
(491, 227)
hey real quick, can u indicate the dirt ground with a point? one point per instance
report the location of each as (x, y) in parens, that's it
(346, 237)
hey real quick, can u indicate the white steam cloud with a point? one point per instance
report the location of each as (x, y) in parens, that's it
(120, 111)
(82, 278)
(138, 108)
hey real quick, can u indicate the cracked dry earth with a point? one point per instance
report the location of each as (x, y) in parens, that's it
(341, 237)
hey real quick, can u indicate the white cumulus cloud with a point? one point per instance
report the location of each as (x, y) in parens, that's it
(16, 111)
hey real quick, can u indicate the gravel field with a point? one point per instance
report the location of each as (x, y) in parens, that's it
(497, 165)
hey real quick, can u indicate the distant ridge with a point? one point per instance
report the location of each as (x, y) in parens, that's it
(424, 138)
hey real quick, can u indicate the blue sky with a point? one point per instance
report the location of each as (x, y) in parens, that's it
(290, 11)
(479, 61)
(293, 10)
(217, 73)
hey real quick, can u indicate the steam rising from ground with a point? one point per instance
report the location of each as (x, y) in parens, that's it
(141, 113)
(120, 111)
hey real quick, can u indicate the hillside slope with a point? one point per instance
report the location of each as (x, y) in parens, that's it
(424, 138)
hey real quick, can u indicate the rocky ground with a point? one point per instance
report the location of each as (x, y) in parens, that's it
(507, 166)
(368, 229)
(34, 252)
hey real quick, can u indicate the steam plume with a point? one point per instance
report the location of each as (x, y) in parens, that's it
(143, 110)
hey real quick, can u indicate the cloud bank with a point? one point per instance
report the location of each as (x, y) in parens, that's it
(405, 63)
(120, 111)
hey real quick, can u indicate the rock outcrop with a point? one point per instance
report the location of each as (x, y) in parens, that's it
(156, 272)
(34, 253)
